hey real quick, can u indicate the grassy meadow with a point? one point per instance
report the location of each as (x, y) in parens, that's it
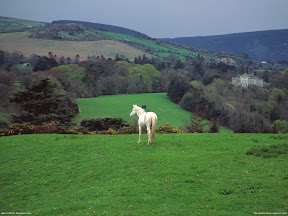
(109, 48)
(120, 106)
(179, 174)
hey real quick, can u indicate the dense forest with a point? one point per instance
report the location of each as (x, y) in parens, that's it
(201, 88)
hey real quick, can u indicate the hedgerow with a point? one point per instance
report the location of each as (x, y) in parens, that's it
(57, 128)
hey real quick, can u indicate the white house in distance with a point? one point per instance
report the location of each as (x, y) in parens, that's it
(249, 79)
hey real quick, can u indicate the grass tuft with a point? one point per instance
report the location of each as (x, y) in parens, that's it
(268, 151)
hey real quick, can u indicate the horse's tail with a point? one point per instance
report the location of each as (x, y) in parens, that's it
(154, 119)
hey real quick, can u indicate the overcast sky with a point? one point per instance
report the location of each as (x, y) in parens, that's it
(159, 18)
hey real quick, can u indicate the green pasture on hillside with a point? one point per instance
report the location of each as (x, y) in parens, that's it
(120, 106)
(7, 24)
(162, 50)
(137, 40)
(179, 174)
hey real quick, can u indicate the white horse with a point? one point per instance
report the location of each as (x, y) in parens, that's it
(149, 119)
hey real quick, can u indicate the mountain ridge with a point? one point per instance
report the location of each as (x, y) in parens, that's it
(259, 45)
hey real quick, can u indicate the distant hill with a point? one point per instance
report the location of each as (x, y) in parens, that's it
(22, 42)
(74, 38)
(103, 27)
(260, 45)
(54, 37)
(12, 24)
(70, 32)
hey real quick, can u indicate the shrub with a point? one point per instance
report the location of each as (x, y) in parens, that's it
(48, 128)
(3, 132)
(214, 128)
(196, 124)
(268, 151)
(279, 126)
(110, 131)
(17, 129)
(102, 124)
(131, 129)
(168, 129)
(3, 124)
(188, 102)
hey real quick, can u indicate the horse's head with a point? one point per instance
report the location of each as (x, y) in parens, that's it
(135, 110)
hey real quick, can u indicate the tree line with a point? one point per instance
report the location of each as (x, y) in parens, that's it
(204, 89)
(245, 110)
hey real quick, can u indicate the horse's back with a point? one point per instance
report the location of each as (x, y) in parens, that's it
(146, 119)
(152, 114)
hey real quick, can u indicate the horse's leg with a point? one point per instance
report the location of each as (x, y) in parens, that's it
(140, 130)
(149, 135)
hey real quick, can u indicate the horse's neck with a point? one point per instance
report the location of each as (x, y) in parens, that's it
(141, 113)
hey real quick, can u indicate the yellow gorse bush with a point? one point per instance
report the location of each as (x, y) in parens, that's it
(110, 131)
(18, 129)
(167, 128)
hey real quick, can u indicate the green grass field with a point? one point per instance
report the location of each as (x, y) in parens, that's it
(179, 174)
(120, 106)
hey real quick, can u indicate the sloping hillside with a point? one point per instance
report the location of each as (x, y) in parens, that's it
(70, 40)
(10, 24)
(108, 48)
(82, 39)
(260, 45)
(120, 106)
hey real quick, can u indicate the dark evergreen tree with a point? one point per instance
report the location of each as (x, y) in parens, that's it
(44, 63)
(39, 103)
(179, 65)
(62, 60)
(198, 69)
(177, 88)
(145, 60)
(117, 58)
(2, 58)
(77, 59)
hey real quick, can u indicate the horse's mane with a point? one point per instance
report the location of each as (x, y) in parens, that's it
(138, 109)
